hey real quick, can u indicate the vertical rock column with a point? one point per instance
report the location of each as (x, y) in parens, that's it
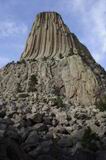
(49, 37)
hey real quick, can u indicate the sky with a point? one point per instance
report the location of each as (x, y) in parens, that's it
(85, 18)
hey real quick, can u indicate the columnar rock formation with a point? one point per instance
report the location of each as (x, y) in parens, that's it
(81, 78)
(49, 99)
(49, 37)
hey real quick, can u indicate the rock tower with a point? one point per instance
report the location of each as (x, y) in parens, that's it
(49, 37)
(61, 62)
(50, 99)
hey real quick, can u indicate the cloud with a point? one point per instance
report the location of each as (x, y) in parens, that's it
(95, 23)
(91, 16)
(4, 61)
(9, 28)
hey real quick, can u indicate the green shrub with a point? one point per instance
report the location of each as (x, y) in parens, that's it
(33, 79)
(21, 61)
(89, 140)
(44, 58)
(59, 102)
(101, 105)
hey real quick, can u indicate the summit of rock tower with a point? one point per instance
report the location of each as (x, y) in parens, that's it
(49, 37)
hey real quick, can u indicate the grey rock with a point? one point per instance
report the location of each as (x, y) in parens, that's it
(65, 141)
(36, 118)
(84, 155)
(46, 157)
(9, 149)
(101, 155)
(32, 138)
(40, 127)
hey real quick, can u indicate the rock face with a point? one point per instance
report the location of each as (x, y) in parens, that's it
(49, 37)
(61, 61)
(75, 68)
(49, 99)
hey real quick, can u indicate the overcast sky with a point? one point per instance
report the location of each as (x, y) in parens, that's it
(86, 18)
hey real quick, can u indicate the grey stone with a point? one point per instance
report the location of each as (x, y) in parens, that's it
(46, 157)
(101, 155)
(65, 141)
(32, 138)
(40, 127)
